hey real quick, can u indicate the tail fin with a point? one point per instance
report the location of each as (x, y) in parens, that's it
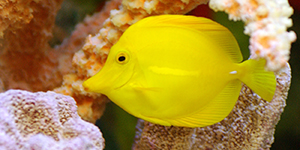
(262, 82)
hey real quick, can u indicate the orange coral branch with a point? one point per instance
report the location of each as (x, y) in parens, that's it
(90, 107)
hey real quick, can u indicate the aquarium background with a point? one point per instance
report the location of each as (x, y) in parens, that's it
(118, 127)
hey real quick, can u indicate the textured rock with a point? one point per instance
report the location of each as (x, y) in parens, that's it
(44, 121)
(151, 136)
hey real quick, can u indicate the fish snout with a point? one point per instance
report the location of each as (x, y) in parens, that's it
(94, 84)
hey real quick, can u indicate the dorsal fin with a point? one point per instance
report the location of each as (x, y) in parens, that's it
(213, 30)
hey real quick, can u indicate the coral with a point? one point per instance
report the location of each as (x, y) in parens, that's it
(90, 59)
(14, 14)
(90, 25)
(28, 62)
(2, 89)
(155, 136)
(89, 107)
(26, 59)
(44, 121)
(250, 125)
(266, 23)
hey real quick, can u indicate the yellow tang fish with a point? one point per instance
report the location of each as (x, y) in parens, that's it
(179, 70)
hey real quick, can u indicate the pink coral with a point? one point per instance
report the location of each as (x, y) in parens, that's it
(44, 121)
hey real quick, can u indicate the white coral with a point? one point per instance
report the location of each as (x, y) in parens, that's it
(266, 23)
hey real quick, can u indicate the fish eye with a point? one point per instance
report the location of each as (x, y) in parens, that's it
(122, 57)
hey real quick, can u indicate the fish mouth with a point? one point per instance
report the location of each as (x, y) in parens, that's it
(109, 78)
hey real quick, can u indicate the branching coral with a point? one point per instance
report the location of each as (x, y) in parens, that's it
(89, 107)
(90, 25)
(266, 23)
(44, 121)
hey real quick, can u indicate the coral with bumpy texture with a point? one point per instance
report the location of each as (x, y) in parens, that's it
(250, 125)
(266, 23)
(153, 136)
(89, 108)
(26, 60)
(14, 14)
(44, 121)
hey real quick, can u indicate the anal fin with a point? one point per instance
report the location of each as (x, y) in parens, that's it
(215, 111)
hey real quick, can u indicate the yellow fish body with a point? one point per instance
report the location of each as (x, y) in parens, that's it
(179, 70)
